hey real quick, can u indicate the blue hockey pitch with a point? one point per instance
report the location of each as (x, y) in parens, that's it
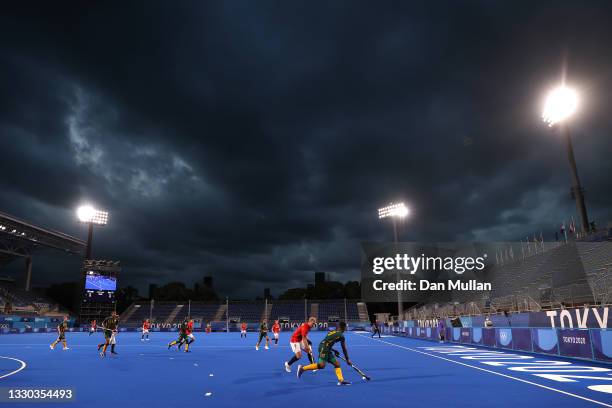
(224, 370)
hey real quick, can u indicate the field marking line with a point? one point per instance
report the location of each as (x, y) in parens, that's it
(23, 365)
(494, 372)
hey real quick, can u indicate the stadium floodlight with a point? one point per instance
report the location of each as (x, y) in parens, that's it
(393, 210)
(561, 103)
(91, 216)
(87, 214)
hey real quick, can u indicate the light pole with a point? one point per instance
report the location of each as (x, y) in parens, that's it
(395, 211)
(560, 105)
(90, 216)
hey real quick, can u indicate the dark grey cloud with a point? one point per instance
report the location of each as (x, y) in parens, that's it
(254, 140)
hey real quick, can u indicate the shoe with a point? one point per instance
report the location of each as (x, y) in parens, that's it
(141, 339)
(66, 348)
(267, 348)
(169, 345)
(314, 371)
(344, 383)
(51, 347)
(287, 367)
(148, 339)
(102, 355)
(300, 371)
(257, 348)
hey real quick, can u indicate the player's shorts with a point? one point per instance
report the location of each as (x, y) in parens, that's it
(61, 337)
(145, 331)
(262, 335)
(328, 356)
(182, 336)
(296, 347)
(109, 335)
(275, 335)
(191, 336)
(243, 331)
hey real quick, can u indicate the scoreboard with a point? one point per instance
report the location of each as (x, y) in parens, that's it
(100, 281)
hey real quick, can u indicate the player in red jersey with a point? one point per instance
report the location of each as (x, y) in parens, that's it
(299, 340)
(243, 329)
(276, 330)
(145, 330)
(93, 327)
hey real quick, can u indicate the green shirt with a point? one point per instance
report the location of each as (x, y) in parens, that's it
(62, 327)
(263, 328)
(110, 323)
(332, 338)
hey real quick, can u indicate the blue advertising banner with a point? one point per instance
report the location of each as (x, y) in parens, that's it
(503, 338)
(466, 335)
(602, 345)
(477, 335)
(545, 341)
(521, 339)
(575, 343)
(488, 337)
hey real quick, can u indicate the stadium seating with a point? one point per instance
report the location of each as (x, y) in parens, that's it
(247, 311)
(544, 276)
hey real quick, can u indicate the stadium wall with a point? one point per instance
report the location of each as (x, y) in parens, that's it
(565, 333)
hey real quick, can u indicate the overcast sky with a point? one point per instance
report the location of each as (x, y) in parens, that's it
(254, 140)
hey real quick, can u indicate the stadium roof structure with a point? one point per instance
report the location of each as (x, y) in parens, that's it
(19, 238)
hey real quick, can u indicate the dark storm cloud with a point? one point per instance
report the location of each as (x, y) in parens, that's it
(254, 140)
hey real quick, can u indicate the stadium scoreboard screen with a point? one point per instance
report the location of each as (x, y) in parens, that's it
(100, 281)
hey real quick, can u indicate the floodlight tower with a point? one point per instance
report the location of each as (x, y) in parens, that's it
(90, 216)
(561, 103)
(395, 211)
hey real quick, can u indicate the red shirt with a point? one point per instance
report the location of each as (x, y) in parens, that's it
(189, 328)
(93, 323)
(243, 326)
(300, 333)
(276, 328)
(146, 325)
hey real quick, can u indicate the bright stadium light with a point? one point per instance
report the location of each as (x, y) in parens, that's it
(560, 104)
(88, 214)
(393, 210)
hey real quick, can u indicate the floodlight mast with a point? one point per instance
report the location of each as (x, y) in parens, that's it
(560, 105)
(86, 214)
(395, 211)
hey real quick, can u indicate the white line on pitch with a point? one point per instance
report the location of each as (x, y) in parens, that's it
(495, 372)
(23, 365)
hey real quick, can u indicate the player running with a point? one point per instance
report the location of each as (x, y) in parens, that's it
(263, 332)
(146, 325)
(299, 340)
(276, 331)
(190, 336)
(93, 327)
(61, 334)
(328, 355)
(243, 329)
(110, 326)
(182, 336)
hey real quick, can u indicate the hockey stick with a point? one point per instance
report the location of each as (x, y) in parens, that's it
(354, 367)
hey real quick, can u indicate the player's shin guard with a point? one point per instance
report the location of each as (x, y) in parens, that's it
(338, 371)
(311, 358)
(310, 367)
(293, 360)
